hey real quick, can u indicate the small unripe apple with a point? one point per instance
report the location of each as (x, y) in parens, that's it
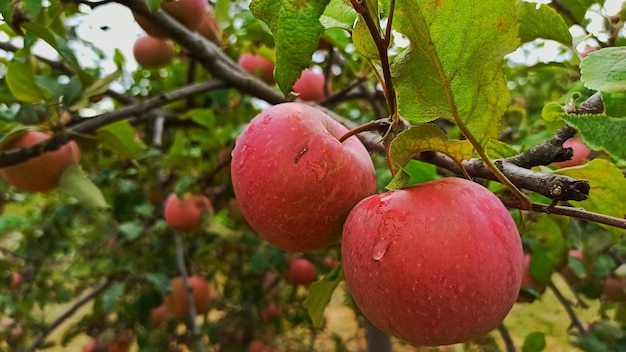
(42, 173)
(581, 152)
(152, 52)
(528, 281)
(301, 271)
(189, 12)
(435, 264)
(294, 181)
(176, 302)
(310, 86)
(614, 289)
(185, 214)
(257, 65)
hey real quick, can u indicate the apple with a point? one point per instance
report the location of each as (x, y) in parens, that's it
(270, 312)
(42, 173)
(158, 315)
(435, 264)
(294, 181)
(310, 86)
(581, 152)
(95, 346)
(176, 302)
(153, 52)
(185, 214)
(209, 27)
(528, 281)
(121, 343)
(258, 346)
(17, 280)
(257, 65)
(614, 289)
(189, 12)
(300, 271)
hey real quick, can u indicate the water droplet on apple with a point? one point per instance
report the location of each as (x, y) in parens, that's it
(246, 150)
(267, 119)
(380, 248)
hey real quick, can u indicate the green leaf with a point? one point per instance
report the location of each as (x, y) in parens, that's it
(160, 281)
(21, 80)
(131, 229)
(121, 138)
(62, 47)
(534, 342)
(614, 104)
(203, 117)
(296, 29)
(497, 149)
(540, 266)
(338, 15)
(608, 189)
(362, 36)
(319, 295)
(601, 132)
(550, 235)
(422, 138)
(605, 70)
(76, 184)
(453, 67)
(552, 111)
(110, 296)
(98, 87)
(543, 22)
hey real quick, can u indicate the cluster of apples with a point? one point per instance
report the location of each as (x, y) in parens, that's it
(435, 264)
(155, 49)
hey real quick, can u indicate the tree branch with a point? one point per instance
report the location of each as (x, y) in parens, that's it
(568, 308)
(68, 313)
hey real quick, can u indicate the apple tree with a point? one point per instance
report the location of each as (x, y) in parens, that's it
(273, 169)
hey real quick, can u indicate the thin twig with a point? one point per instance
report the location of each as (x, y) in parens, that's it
(508, 342)
(68, 313)
(180, 261)
(568, 308)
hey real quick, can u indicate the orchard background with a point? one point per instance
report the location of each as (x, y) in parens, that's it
(95, 261)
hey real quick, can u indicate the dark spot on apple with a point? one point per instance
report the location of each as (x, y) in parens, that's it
(300, 154)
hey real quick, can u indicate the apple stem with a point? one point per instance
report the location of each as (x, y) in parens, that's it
(180, 261)
(376, 125)
(506, 337)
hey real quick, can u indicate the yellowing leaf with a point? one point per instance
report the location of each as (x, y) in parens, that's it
(422, 138)
(453, 67)
(76, 184)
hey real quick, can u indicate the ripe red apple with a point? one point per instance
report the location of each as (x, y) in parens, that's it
(95, 346)
(176, 302)
(270, 312)
(185, 214)
(614, 289)
(189, 12)
(258, 66)
(158, 315)
(310, 86)
(258, 346)
(435, 264)
(528, 281)
(121, 343)
(581, 152)
(153, 52)
(294, 181)
(43, 173)
(300, 271)
(209, 28)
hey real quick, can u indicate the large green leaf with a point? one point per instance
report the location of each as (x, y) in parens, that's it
(453, 67)
(608, 189)
(422, 138)
(362, 36)
(121, 138)
(605, 70)
(320, 293)
(296, 28)
(600, 132)
(76, 184)
(21, 79)
(338, 14)
(543, 22)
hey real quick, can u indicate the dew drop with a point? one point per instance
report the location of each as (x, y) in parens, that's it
(380, 248)
(246, 150)
(267, 119)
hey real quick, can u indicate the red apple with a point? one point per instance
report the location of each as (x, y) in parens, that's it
(528, 281)
(42, 173)
(614, 289)
(294, 181)
(121, 343)
(270, 312)
(209, 28)
(158, 315)
(581, 152)
(185, 214)
(258, 66)
(176, 302)
(189, 12)
(435, 264)
(258, 346)
(153, 52)
(17, 280)
(95, 346)
(310, 86)
(300, 271)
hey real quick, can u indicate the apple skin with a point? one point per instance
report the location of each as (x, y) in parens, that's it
(614, 290)
(270, 312)
(209, 27)
(189, 12)
(528, 281)
(158, 315)
(258, 66)
(581, 152)
(310, 86)
(42, 173)
(294, 181)
(185, 214)
(176, 302)
(300, 271)
(152, 52)
(435, 264)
